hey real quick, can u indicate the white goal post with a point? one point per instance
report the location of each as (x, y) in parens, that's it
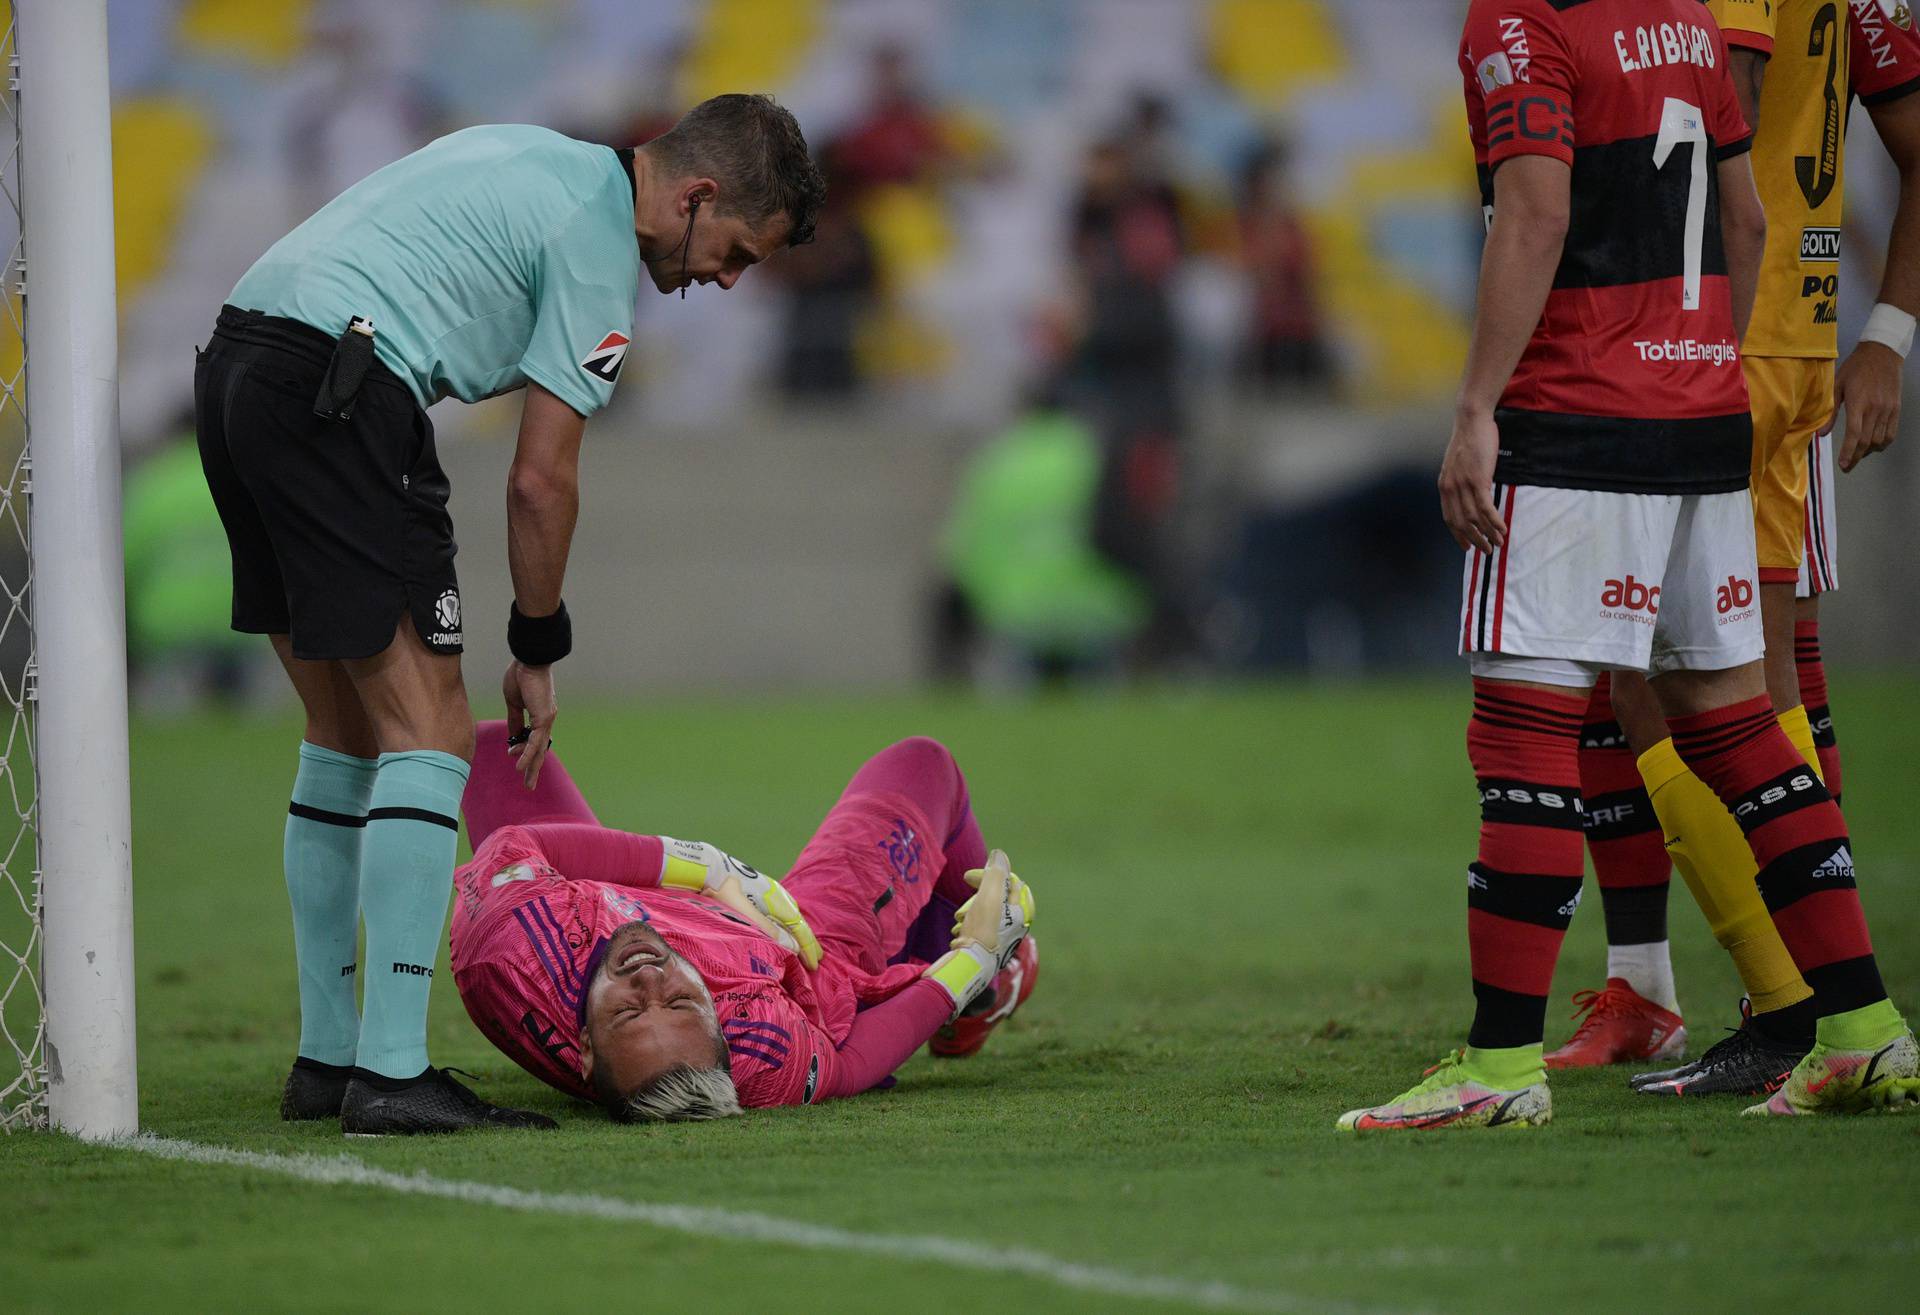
(70, 699)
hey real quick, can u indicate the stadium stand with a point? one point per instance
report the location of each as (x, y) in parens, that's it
(949, 276)
(1017, 88)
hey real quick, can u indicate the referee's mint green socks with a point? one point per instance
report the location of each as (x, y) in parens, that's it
(406, 875)
(325, 823)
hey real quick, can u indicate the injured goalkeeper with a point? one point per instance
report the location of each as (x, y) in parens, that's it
(664, 979)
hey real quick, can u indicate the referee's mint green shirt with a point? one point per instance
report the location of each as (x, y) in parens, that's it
(487, 258)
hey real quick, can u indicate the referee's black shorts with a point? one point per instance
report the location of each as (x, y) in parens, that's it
(336, 527)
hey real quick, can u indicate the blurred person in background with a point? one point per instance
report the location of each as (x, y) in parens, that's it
(897, 139)
(1128, 245)
(1029, 594)
(665, 979)
(1134, 507)
(1150, 134)
(499, 258)
(178, 581)
(354, 108)
(1288, 347)
(832, 284)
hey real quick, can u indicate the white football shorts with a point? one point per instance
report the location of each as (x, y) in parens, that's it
(1596, 581)
(1820, 563)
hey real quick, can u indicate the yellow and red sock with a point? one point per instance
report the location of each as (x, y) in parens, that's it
(1799, 841)
(1524, 887)
(1813, 693)
(1623, 834)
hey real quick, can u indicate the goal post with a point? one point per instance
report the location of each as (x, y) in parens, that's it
(76, 676)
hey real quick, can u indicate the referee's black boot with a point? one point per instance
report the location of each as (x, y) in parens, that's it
(313, 1091)
(376, 1106)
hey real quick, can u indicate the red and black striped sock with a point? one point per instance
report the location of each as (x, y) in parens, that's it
(1623, 835)
(1799, 841)
(1813, 693)
(1521, 893)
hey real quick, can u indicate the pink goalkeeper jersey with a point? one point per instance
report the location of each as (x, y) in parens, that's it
(532, 917)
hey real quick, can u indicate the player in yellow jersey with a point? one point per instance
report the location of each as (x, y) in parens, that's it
(1790, 64)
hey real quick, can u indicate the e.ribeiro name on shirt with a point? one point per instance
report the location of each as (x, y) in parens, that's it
(1669, 43)
(1688, 349)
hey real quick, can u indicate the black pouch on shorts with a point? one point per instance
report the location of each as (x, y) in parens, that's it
(346, 371)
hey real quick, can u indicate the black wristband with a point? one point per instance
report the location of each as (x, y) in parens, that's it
(539, 640)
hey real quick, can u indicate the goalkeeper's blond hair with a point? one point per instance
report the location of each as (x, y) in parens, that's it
(681, 1094)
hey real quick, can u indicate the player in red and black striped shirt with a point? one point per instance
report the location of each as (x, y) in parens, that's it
(1628, 382)
(1597, 477)
(1634, 1014)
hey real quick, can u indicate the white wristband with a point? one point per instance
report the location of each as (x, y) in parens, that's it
(1890, 327)
(963, 973)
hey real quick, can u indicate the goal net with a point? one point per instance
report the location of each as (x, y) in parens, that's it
(23, 1088)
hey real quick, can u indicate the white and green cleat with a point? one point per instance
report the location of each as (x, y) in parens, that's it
(1836, 1079)
(1453, 1094)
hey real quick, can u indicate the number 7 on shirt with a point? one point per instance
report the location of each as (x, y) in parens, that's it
(1682, 124)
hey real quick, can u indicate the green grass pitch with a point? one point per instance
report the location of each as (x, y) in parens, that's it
(1251, 917)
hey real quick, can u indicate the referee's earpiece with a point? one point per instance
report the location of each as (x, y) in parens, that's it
(686, 241)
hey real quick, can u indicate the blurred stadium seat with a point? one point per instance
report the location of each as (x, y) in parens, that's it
(756, 44)
(160, 146)
(269, 31)
(1268, 50)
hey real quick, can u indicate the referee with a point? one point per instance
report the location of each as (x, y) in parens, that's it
(497, 258)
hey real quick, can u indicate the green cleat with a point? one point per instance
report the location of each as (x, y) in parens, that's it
(1850, 1080)
(1451, 1095)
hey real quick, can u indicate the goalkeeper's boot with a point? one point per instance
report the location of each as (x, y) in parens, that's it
(1011, 986)
(313, 1091)
(1747, 1062)
(432, 1102)
(1453, 1095)
(1842, 1076)
(1621, 1026)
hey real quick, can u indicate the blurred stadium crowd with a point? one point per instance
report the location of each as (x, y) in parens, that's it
(1135, 177)
(1175, 292)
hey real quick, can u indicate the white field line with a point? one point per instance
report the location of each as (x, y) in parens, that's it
(710, 1222)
